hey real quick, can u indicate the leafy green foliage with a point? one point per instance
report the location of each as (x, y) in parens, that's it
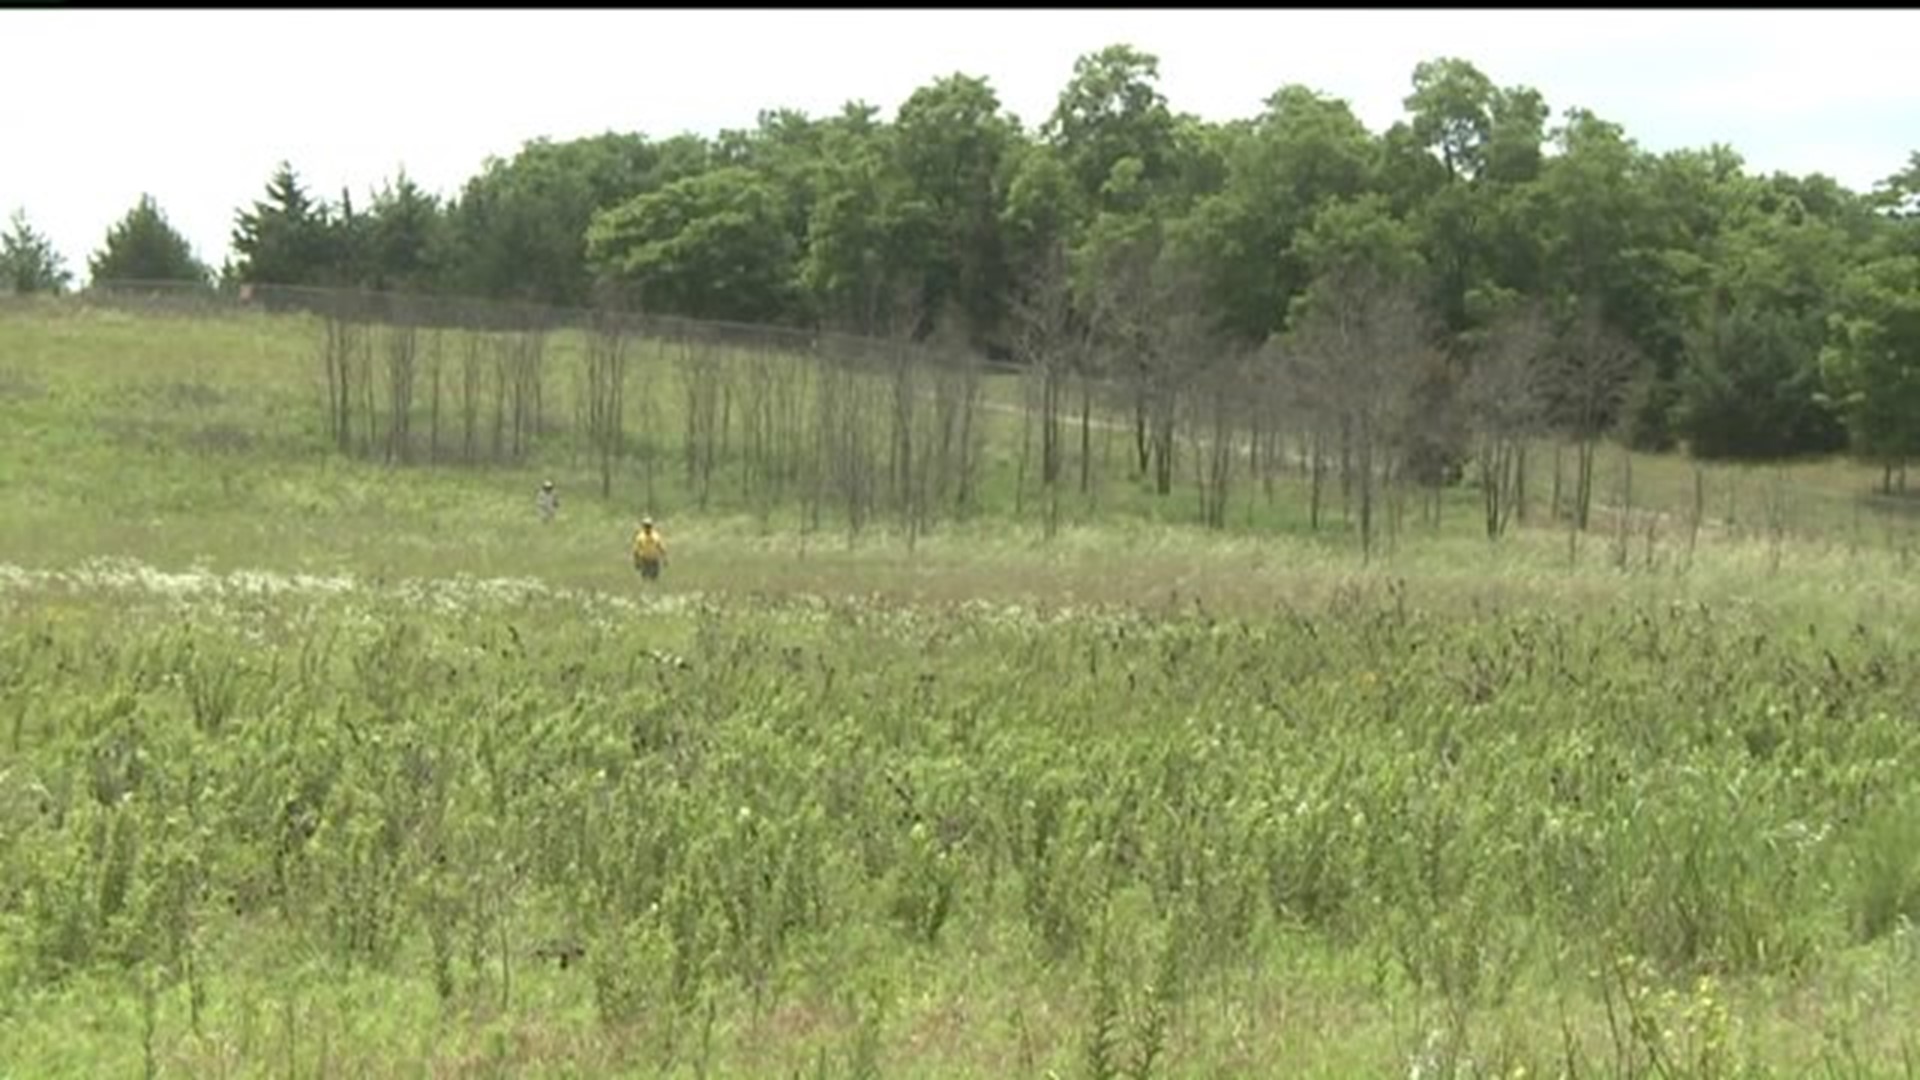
(710, 246)
(955, 145)
(28, 261)
(870, 242)
(1752, 386)
(290, 239)
(519, 228)
(1110, 112)
(1872, 365)
(407, 238)
(143, 246)
(694, 805)
(1303, 151)
(942, 218)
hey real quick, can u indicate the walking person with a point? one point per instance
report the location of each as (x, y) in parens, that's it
(548, 501)
(649, 550)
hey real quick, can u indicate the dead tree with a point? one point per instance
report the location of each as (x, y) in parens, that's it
(368, 407)
(957, 434)
(1262, 384)
(1585, 383)
(1048, 341)
(527, 354)
(606, 384)
(473, 368)
(1217, 403)
(339, 353)
(402, 351)
(1115, 288)
(700, 379)
(762, 470)
(1179, 341)
(1361, 345)
(436, 367)
(848, 399)
(1502, 400)
(1303, 393)
(903, 370)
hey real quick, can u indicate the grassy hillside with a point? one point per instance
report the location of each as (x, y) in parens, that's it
(316, 765)
(117, 420)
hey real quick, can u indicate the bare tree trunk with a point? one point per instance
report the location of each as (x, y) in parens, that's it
(1699, 511)
(970, 436)
(1520, 481)
(1256, 460)
(1026, 446)
(502, 359)
(369, 431)
(1493, 467)
(759, 470)
(648, 445)
(1316, 479)
(472, 368)
(402, 344)
(1163, 449)
(1141, 443)
(1219, 458)
(606, 362)
(1557, 508)
(436, 361)
(1050, 450)
(1346, 469)
(338, 351)
(1086, 435)
(1583, 490)
(1364, 480)
(700, 379)
(528, 356)
(900, 463)
(1625, 510)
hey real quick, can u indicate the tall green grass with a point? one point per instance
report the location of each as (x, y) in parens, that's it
(317, 766)
(654, 826)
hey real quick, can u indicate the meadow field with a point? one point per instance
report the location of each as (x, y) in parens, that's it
(314, 763)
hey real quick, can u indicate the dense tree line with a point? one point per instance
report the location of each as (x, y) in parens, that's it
(1490, 240)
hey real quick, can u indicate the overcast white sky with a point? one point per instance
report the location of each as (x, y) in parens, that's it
(196, 107)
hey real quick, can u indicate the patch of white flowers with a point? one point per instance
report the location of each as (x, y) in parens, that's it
(209, 591)
(455, 594)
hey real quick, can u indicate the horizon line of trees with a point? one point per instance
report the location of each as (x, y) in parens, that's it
(1748, 317)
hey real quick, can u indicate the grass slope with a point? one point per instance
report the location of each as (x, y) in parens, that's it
(313, 766)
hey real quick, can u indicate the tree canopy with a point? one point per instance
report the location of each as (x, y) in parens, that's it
(1765, 312)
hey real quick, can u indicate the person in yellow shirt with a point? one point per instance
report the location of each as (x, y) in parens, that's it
(649, 550)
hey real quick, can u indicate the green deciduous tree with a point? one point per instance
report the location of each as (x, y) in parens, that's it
(1111, 111)
(871, 239)
(713, 246)
(1602, 246)
(1476, 129)
(519, 228)
(1871, 366)
(954, 143)
(1750, 386)
(1751, 389)
(1362, 340)
(1303, 152)
(1043, 209)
